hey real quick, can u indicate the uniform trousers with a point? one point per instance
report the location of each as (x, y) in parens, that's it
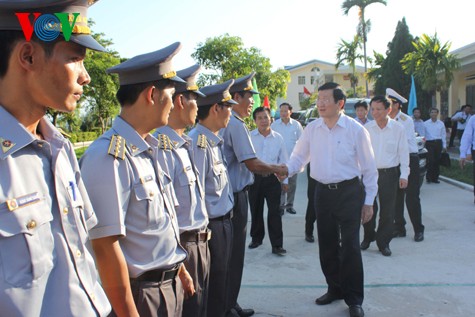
(413, 202)
(220, 246)
(338, 211)
(236, 264)
(197, 264)
(287, 198)
(310, 216)
(266, 188)
(157, 299)
(434, 149)
(388, 184)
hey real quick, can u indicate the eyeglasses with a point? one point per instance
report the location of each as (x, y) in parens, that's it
(325, 101)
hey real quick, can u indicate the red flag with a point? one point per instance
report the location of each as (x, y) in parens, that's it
(305, 91)
(266, 104)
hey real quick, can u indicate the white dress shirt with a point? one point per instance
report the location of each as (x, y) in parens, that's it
(435, 131)
(341, 153)
(390, 146)
(408, 124)
(290, 132)
(468, 141)
(419, 126)
(461, 115)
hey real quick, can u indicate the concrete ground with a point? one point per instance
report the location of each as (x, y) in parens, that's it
(432, 278)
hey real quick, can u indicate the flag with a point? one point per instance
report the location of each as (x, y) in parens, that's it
(257, 99)
(412, 98)
(266, 103)
(305, 91)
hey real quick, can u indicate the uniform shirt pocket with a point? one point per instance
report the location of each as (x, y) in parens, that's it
(147, 194)
(219, 178)
(26, 242)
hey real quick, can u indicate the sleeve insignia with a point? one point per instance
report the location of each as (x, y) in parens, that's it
(117, 147)
(202, 140)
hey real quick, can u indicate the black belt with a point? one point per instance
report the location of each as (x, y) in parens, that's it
(433, 141)
(158, 275)
(339, 185)
(388, 170)
(414, 154)
(195, 236)
(221, 218)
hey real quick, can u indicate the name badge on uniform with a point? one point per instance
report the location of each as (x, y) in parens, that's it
(146, 179)
(22, 201)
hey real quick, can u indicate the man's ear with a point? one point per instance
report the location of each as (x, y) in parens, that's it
(27, 53)
(178, 101)
(148, 94)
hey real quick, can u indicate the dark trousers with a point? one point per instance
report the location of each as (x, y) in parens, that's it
(266, 188)
(338, 224)
(388, 184)
(198, 265)
(434, 148)
(453, 133)
(236, 264)
(220, 246)
(310, 216)
(413, 202)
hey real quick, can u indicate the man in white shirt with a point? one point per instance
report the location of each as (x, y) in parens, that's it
(270, 148)
(435, 143)
(290, 130)
(467, 145)
(388, 139)
(418, 122)
(462, 118)
(361, 109)
(339, 151)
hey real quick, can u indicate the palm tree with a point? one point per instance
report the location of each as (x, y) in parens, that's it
(348, 52)
(431, 63)
(363, 25)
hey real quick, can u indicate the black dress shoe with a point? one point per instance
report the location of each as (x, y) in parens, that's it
(365, 244)
(254, 244)
(309, 238)
(279, 250)
(386, 251)
(419, 236)
(356, 311)
(327, 298)
(399, 234)
(243, 312)
(291, 211)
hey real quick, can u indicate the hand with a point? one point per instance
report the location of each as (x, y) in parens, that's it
(366, 213)
(462, 162)
(285, 188)
(186, 281)
(402, 183)
(281, 172)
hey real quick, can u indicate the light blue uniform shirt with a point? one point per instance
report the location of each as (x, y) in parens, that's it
(133, 198)
(290, 132)
(212, 172)
(468, 141)
(191, 209)
(45, 215)
(237, 149)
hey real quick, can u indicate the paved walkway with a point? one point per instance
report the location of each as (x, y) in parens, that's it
(432, 278)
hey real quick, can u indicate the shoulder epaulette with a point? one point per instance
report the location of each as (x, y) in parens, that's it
(117, 147)
(202, 140)
(238, 118)
(164, 142)
(403, 117)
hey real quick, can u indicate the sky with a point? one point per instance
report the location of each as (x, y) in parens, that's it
(288, 32)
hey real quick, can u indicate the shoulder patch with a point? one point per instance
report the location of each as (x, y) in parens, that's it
(403, 117)
(117, 147)
(164, 142)
(202, 140)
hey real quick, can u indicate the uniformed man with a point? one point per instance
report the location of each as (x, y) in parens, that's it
(412, 191)
(191, 211)
(137, 241)
(45, 212)
(242, 162)
(213, 115)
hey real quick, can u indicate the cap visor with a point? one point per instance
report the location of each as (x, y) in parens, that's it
(199, 93)
(252, 91)
(232, 101)
(87, 41)
(177, 79)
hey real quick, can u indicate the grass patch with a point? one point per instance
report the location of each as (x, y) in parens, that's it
(80, 151)
(455, 172)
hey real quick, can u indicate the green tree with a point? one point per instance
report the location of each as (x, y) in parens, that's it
(431, 63)
(348, 53)
(225, 57)
(364, 26)
(100, 100)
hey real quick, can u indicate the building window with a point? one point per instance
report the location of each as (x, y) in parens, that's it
(302, 96)
(312, 80)
(301, 80)
(328, 78)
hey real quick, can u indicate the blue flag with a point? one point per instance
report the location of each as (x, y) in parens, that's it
(412, 98)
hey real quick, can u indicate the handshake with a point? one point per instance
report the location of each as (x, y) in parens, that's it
(281, 171)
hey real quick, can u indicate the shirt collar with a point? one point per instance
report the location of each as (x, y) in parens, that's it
(135, 143)
(212, 138)
(177, 140)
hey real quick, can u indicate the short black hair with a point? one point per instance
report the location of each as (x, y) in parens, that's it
(432, 109)
(258, 110)
(361, 103)
(338, 93)
(286, 104)
(128, 94)
(416, 108)
(382, 99)
(8, 40)
(203, 112)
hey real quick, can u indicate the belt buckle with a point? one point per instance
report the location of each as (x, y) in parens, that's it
(208, 235)
(165, 273)
(333, 186)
